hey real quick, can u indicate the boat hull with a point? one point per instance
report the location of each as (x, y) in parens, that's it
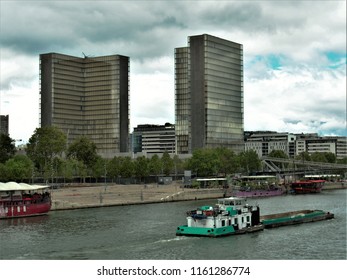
(215, 232)
(258, 193)
(24, 210)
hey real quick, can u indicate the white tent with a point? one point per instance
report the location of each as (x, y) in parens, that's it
(13, 186)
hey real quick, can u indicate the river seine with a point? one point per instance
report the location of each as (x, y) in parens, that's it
(148, 232)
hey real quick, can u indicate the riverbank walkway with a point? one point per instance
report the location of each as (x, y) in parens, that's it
(87, 196)
(100, 195)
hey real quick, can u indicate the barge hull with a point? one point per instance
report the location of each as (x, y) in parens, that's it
(293, 218)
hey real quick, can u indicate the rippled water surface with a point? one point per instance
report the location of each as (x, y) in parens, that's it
(148, 232)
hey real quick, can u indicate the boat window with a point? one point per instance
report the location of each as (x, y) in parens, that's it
(236, 221)
(223, 223)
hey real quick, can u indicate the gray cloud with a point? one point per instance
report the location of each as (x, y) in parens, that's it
(297, 33)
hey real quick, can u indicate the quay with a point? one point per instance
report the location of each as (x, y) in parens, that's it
(78, 196)
(98, 195)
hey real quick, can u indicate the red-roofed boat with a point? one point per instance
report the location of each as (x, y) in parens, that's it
(23, 200)
(307, 186)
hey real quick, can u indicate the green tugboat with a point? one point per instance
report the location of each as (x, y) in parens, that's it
(230, 216)
(234, 216)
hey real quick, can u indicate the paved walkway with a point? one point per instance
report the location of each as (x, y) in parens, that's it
(110, 195)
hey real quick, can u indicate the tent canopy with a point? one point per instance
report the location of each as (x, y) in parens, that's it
(13, 186)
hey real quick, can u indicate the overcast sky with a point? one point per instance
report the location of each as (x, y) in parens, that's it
(294, 55)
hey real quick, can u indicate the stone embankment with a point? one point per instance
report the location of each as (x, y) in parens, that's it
(88, 196)
(77, 197)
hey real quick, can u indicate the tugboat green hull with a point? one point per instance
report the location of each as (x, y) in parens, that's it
(215, 232)
(200, 231)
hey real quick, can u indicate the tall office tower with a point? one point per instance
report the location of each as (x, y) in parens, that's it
(4, 121)
(87, 96)
(209, 94)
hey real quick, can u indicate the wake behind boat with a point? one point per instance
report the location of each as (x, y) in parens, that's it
(23, 200)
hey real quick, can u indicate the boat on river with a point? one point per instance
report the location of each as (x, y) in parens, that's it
(294, 217)
(307, 186)
(249, 192)
(23, 200)
(234, 216)
(229, 216)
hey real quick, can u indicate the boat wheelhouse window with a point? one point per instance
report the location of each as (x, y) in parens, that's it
(236, 221)
(248, 219)
(223, 223)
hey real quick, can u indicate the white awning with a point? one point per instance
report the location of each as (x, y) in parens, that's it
(13, 186)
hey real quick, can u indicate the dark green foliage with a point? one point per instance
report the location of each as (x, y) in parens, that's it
(7, 148)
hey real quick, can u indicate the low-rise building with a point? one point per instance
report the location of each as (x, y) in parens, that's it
(154, 139)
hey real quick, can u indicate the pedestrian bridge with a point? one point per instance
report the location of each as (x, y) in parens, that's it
(292, 165)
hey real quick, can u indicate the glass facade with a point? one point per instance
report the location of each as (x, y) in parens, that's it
(87, 96)
(209, 94)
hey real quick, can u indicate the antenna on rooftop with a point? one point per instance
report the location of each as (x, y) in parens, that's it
(87, 56)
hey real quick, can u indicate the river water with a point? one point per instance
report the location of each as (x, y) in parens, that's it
(148, 232)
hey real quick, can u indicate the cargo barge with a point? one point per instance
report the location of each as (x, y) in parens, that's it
(233, 216)
(294, 217)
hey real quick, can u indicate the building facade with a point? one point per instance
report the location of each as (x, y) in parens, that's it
(154, 139)
(87, 96)
(4, 124)
(209, 94)
(312, 143)
(264, 142)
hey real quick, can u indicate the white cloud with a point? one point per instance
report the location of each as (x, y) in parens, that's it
(304, 93)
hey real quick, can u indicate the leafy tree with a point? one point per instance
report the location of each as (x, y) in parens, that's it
(318, 157)
(84, 150)
(278, 154)
(204, 162)
(249, 161)
(141, 167)
(19, 167)
(304, 156)
(113, 168)
(155, 165)
(126, 167)
(330, 157)
(44, 145)
(167, 163)
(3, 172)
(7, 148)
(100, 167)
(228, 161)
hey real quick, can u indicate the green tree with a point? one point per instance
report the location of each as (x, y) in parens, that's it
(113, 168)
(44, 145)
(330, 157)
(303, 156)
(228, 161)
(100, 168)
(7, 148)
(278, 154)
(126, 167)
(141, 167)
(204, 162)
(19, 168)
(167, 163)
(155, 165)
(3, 173)
(249, 161)
(318, 157)
(84, 150)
